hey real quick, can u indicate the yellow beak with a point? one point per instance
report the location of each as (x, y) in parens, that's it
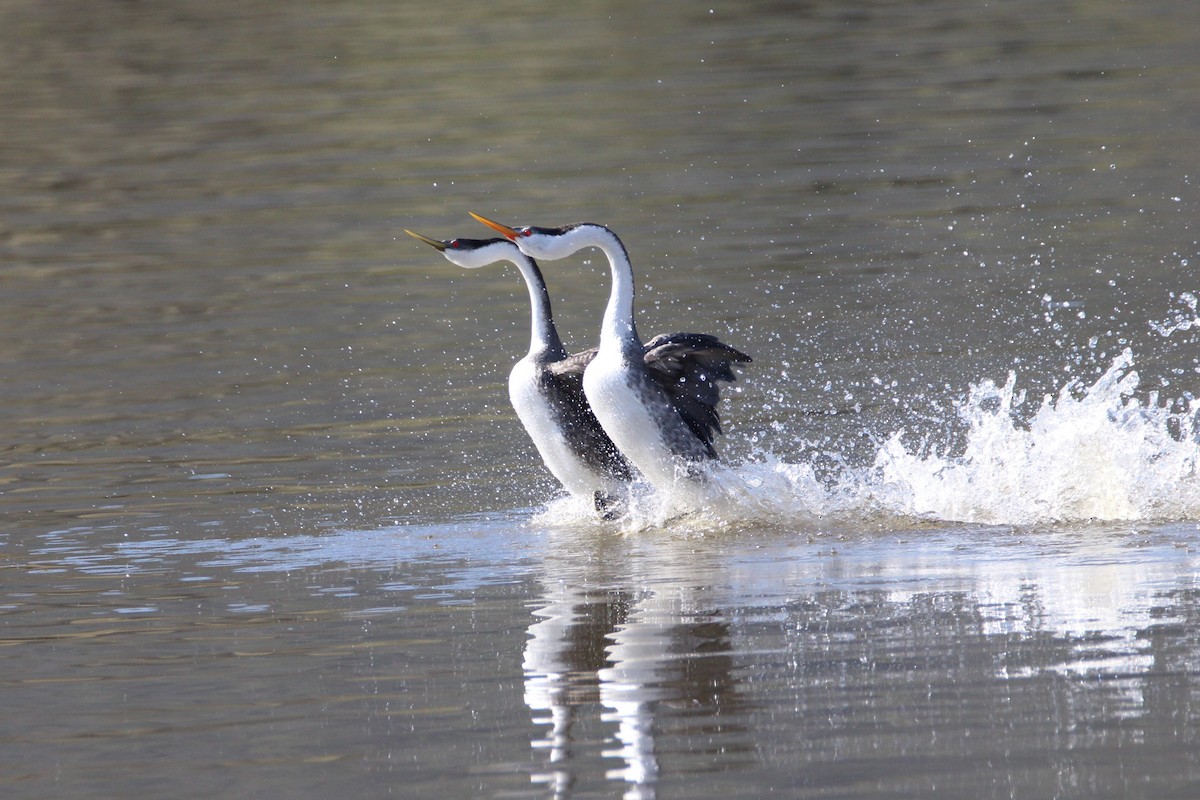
(434, 243)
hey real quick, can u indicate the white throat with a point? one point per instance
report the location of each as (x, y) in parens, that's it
(617, 328)
(543, 335)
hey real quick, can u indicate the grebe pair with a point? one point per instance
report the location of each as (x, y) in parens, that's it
(593, 413)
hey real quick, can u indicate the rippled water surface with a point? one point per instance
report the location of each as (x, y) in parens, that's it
(268, 526)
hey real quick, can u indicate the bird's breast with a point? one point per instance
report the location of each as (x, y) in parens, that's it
(635, 415)
(543, 421)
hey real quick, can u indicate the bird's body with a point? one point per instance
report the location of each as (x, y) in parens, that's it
(638, 414)
(546, 386)
(664, 427)
(552, 408)
(632, 410)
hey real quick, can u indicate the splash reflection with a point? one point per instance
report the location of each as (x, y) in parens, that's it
(770, 650)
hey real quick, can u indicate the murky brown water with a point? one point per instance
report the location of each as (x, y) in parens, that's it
(268, 526)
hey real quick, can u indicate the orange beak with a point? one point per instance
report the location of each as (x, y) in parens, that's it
(496, 226)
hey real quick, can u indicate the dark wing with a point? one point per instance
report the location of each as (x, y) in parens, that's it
(564, 384)
(572, 367)
(688, 366)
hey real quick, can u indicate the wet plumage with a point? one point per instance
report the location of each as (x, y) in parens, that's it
(546, 387)
(662, 418)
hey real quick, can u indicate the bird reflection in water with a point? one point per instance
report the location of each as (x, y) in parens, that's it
(631, 651)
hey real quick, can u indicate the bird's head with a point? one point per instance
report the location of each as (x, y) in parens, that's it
(544, 243)
(472, 253)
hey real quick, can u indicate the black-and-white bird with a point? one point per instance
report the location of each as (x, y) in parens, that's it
(665, 428)
(546, 386)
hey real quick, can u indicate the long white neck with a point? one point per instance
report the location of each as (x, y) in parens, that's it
(617, 329)
(543, 334)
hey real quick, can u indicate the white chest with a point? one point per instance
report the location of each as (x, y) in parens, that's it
(542, 422)
(632, 417)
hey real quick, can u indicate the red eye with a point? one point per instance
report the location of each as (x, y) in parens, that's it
(455, 244)
(526, 231)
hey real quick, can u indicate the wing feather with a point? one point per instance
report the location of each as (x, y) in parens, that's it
(690, 367)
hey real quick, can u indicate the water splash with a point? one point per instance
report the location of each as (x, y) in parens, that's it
(1087, 453)
(1181, 319)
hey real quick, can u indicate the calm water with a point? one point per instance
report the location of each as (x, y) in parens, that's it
(268, 526)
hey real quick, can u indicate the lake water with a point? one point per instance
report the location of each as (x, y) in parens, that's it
(268, 526)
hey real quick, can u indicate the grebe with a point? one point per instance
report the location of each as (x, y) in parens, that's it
(546, 386)
(665, 429)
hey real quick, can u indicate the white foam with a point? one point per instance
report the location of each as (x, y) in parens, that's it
(1087, 453)
(1094, 453)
